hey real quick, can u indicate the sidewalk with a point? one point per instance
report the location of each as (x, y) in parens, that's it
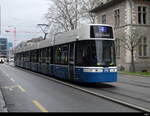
(2, 101)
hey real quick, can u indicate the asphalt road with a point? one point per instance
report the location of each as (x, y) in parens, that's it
(28, 92)
(131, 89)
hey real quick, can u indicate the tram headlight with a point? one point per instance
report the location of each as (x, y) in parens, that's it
(93, 70)
(99, 70)
(113, 70)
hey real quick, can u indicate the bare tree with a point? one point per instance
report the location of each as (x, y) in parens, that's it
(88, 5)
(66, 15)
(131, 42)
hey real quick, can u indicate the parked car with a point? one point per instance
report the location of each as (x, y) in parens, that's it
(11, 59)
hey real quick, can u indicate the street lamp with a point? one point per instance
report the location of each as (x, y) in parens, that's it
(14, 33)
(14, 40)
(44, 28)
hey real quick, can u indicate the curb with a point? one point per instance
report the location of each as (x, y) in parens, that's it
(133, 75)
(2, 103)
(3, 107)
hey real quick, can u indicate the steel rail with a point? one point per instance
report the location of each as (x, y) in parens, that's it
(133, 106)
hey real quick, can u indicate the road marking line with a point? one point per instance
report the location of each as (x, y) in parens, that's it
(99, 95)
(22, 89)
(93, 93)
(14, 86)
(39, 106)
(8, 87)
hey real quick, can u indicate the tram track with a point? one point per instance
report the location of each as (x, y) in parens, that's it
(128, 96)
(100, 95)
(133, 106)
(122, 92)
(137, 84)
(137, 81)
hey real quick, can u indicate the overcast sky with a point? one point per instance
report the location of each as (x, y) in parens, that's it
(24, 15)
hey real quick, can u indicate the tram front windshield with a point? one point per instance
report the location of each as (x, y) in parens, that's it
(96, 53)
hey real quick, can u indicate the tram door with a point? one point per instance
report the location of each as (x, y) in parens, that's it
(72, 61)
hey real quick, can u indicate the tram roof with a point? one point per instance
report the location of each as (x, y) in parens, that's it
(82, 33)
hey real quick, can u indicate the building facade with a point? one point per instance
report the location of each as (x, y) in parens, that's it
(3, 48)
(126, 16)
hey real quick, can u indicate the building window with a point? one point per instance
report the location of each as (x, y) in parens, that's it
(143, 47)
(142, 14)
(118, 47)
(117, 17)
(103, 19)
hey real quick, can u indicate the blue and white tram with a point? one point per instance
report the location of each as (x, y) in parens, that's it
(84, 55)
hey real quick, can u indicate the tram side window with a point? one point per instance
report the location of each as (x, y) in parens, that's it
(61, 55)
(39, 53)
(57, 55)
(31, 56)
(24, 55)
(38, 56)
(64, 55)
(43, 55)
(28, 56)
(47, 55)
(35, 56)
(71, 57)
(21, 56)
(81, 54)
(18, 57)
